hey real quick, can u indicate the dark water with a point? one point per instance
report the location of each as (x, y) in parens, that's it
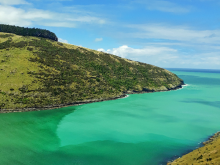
(142, 129)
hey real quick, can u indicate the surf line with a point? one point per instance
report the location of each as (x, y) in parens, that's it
(183, 86)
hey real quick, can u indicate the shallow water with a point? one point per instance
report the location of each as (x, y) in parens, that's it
(142, 129)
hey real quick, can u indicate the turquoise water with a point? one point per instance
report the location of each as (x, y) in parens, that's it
(142, 129)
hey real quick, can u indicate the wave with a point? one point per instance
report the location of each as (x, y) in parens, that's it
(124, 97)
(183, 86)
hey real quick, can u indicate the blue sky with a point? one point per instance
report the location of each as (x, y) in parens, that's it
(165, 33)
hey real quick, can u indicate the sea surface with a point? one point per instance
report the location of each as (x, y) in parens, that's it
(141, 129)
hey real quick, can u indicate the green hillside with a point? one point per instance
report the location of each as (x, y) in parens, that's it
(41, 73)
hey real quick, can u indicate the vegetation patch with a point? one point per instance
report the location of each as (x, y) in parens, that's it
(26, 32)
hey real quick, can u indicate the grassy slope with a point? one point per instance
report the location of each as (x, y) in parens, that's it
(37, 72)
(206, 155)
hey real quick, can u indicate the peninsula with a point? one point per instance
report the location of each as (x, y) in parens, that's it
(41, 73)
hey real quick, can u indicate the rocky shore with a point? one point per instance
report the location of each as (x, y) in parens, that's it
(208, 154)
(212, 138)
(49, 107)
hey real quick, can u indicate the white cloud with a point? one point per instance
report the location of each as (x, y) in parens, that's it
(211, 58)
(98, 39)
(167, 57)
(102, 50)
(177, 33)
(171, 46)
(146, 52)
(13, 2)
(62, 40)
(21, 17)
(165, 6)
(14, 16)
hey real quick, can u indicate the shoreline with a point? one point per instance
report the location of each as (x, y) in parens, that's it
(209, 141)
(76, 103)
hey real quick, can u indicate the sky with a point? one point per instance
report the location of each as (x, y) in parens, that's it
(165, 33)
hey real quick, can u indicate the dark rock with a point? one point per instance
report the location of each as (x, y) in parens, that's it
(212, 138)
(147, 90)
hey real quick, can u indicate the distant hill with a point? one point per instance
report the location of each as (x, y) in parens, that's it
(40, 73)
(28, 31)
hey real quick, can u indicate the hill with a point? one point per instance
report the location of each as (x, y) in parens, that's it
(39, 73)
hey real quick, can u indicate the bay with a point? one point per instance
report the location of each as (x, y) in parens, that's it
(141, 129)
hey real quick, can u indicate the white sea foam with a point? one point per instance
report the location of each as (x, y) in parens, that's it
(124, 97)
(183, 86)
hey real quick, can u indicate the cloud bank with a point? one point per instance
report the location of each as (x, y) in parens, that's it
(166, 57)
(150, 54)
(174, 33)
(10, 14)
(13, 2)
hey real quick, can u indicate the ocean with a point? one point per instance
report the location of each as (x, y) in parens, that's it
(141, 129)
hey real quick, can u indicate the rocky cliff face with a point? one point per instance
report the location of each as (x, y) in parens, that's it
(38, 73)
